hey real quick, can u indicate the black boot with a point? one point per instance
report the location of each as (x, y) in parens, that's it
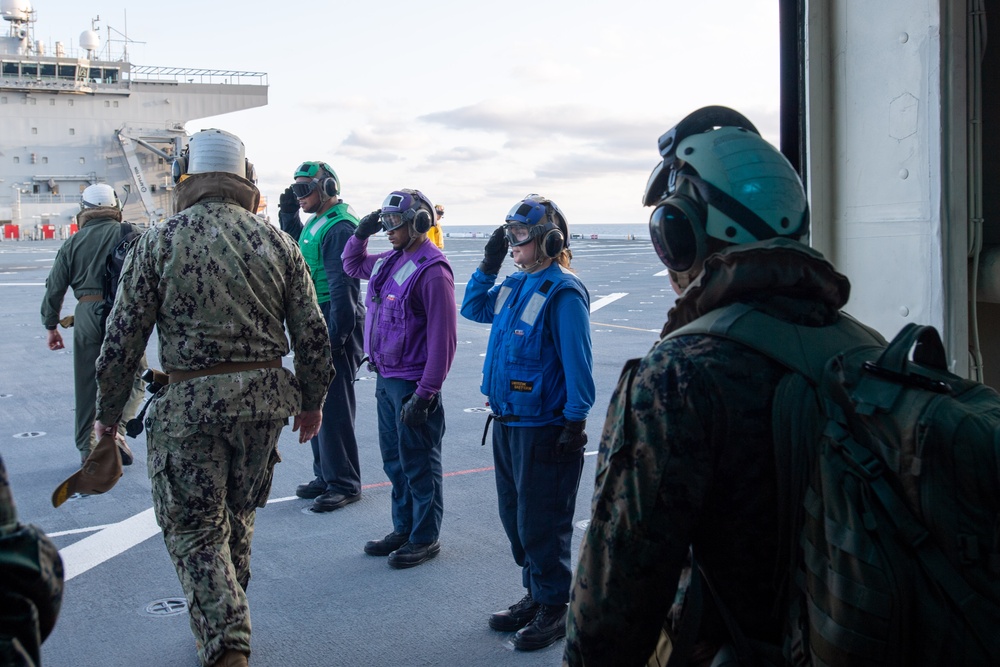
(515, 616)
(313, 489)
(387, 544)
(546, 628)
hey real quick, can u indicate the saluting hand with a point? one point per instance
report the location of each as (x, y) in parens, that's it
(369, 224)
(494, 252)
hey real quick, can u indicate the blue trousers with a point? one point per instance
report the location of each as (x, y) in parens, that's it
(536, 490)
(411, 458)
(335, 449)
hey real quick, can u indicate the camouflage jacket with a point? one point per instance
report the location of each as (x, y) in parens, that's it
(686, 458)
(220, 284)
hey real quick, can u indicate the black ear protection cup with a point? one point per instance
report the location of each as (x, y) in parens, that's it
(553, 241)
(250, 172)
(178, 168)
(329, 188)
(421, 220)
(677, 229)
(328, 185)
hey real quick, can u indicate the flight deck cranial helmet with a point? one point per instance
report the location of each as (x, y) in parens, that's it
(322, 177)
(719, 180)
(99, 195)
(544, 221)
(407, 207)
(210, 151)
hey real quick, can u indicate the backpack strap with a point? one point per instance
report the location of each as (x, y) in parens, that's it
(799, 348)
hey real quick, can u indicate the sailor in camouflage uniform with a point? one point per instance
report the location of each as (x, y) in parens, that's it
(686, 456)
(220, 284)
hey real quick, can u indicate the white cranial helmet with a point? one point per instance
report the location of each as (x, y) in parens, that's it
(216, 150)
(99, 194)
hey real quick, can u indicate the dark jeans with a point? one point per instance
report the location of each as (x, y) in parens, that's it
(536, 490)
(411, 458)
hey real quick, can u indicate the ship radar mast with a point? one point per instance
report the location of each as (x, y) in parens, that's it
(90, 40)
(20, 16)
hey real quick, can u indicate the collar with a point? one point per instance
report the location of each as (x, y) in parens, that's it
(98, 213)
(217, 185)
(780, 275)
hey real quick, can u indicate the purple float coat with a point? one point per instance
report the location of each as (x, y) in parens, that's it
(429, 312)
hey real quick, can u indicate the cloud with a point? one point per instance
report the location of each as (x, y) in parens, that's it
(547, 71)
(463, 154)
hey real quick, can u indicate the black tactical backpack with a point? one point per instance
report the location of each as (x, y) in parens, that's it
(113, 267)
(889, 488)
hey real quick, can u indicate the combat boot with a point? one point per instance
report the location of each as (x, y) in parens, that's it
(232, 658)
(515, 616)
(547, 627)
(387, 544)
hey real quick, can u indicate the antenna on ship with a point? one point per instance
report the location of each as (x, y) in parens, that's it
(124, 40)
(90, 39)
(21, 16)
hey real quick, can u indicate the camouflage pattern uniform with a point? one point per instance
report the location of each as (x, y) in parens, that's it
(80, 264)
(686, 458)
(31, 585)
(220, 284)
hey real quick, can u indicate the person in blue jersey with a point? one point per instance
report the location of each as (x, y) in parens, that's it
(538, 375)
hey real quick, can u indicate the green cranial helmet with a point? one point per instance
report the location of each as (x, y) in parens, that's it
(323, 175)
(751, 172)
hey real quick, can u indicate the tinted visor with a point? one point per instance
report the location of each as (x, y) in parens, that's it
(527, 212)
(673, 236)
(303, 190)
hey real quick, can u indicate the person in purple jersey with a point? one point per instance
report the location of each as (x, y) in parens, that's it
(410, 339)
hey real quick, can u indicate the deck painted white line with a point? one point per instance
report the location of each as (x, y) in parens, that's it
(22, 284)
(605, 300)
(77, 531)
(117, 538)
(664, 272)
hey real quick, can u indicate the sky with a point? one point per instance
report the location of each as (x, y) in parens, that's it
(476, 104)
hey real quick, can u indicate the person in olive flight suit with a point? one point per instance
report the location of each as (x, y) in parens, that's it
(79, 265)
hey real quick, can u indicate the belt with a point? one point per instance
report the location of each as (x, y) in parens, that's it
(507, 419)
(90, 298)
(223, 368)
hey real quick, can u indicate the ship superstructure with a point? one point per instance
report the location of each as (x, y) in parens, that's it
(73, 119)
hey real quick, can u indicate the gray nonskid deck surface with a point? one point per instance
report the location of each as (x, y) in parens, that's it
(315, 597)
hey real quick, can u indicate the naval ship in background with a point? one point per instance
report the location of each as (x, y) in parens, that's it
(72, 118)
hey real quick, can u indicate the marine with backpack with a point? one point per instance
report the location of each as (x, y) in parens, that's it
(889, 476)
(835, 498)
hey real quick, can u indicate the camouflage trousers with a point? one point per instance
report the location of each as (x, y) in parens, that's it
(208, 481)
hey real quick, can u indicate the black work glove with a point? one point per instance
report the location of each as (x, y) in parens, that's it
(288, 214)
(288, 203)
(415, 410)
(573, 437)
(495, 251)
(369, 225)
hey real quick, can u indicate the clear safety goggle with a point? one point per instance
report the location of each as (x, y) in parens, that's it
(517, 233)
(391, 221)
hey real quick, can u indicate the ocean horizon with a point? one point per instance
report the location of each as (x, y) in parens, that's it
(640, 232)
